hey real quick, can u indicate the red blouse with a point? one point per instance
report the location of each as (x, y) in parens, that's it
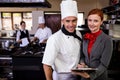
(92, 38)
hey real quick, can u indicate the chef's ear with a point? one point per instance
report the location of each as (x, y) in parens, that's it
(61, 22)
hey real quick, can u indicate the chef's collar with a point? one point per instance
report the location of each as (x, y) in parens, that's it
(70, 34)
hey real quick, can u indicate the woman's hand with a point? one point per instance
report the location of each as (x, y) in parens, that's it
(82, 74)
(81, 65)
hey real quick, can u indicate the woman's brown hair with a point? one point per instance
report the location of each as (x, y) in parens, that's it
(96, 11)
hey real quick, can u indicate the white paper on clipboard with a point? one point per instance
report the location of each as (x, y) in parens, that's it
(25, 42)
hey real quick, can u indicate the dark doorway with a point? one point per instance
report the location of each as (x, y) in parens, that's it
(53, 20)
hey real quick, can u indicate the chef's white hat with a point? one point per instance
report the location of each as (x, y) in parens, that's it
(68, 8)
(41, 20)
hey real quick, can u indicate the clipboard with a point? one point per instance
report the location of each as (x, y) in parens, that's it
(25, 42)
(84, 69)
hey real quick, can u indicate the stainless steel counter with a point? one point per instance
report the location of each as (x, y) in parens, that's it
(115, 38)
(7, 38)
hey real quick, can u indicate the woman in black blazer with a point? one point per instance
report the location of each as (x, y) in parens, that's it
(97, 49)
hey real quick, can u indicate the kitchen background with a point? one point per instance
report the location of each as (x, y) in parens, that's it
(11, 13)
(10, 17)
(30, 14)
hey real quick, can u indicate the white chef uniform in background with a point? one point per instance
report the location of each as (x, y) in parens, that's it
(43, 33)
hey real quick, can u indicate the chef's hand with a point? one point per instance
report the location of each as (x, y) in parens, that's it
(44, 41)
(31, 42)
(82, 74)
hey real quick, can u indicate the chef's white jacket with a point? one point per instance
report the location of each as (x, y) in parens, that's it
(43, 34)
(62, 52)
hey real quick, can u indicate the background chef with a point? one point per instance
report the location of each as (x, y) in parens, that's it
(43, 32)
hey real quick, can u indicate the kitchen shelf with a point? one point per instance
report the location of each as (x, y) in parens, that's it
(82, 29)
(6, 66)
(26, 4)
(113, 14)
(112, 9)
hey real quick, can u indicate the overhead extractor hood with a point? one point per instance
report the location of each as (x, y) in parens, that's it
(25, 3)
